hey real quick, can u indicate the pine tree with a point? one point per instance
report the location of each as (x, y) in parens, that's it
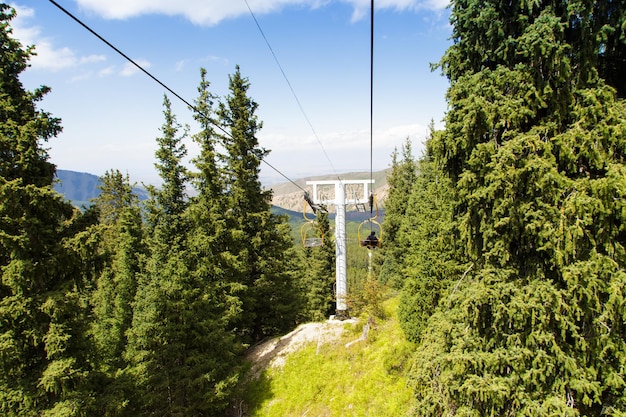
(44, 349)
(264, 246)
(318, 274)
(211, 258)
(122, 248)
(428, 239)
(167, 204)
(160, 340)
(401, 179)
(535, 146)
(116, 194)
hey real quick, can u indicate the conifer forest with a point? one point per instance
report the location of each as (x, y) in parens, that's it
(504, 241)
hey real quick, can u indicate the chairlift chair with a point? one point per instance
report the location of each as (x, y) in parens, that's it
(371, 241)
(310, 234)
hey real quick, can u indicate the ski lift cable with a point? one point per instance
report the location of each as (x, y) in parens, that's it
(371, 88)
(191, 106)
(371, 104)
(293, 92)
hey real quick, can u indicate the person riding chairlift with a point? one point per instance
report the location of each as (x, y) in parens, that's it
(371, 241)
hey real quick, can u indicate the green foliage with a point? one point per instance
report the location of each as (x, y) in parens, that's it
(182, 357)
(130, 309)
(167, 203)
(154, 347)
(401, 180)
(210, 241)
(44, 348)
(367, 297)
(429, 240)
(116, 194)
(535, 146)
(561, 43)
(505, 347)
(208, 180)
(183, 361)
(318, 274)
(22, 124)
(262, 244)
(123, 251)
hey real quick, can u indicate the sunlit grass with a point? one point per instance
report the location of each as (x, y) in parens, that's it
(366, 379)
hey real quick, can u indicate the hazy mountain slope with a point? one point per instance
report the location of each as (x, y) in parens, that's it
(81, 187)
(77, 186)
(289, 196)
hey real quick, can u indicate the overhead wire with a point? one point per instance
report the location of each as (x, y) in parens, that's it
(372, 103)
(293, 92)
(142, 69)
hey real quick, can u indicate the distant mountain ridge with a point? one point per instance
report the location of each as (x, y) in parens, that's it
(289, 196)
(81, 187)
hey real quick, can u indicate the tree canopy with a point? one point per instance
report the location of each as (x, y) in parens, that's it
(534, 145)
(506, 238)
(45, 365)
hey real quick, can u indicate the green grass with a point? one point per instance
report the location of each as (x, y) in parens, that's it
(366, 379)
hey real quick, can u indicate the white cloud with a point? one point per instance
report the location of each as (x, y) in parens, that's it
(180, 65)
(383, 139)
(202, 12)
(90, 59)
(49, 56)
(213, 58)
(20, 30)
(104, 72)
(362, 7)
(82, 76)
(130, 69)
(211, 12)
(437, 4)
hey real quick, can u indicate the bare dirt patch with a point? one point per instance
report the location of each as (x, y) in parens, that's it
(274, 352)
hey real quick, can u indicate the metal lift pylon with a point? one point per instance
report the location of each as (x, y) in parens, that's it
(340, 203)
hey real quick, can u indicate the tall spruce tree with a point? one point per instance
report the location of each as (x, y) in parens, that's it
(122, 250)
(401, 179)
(535, 144)
(44, 351)
(161, 337)
(264, 251)
(428, 240)
(318, 274)
(210, 261)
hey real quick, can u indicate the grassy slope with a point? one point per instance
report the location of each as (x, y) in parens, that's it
(366, 379)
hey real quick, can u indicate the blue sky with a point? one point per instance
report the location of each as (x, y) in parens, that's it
(112, 113)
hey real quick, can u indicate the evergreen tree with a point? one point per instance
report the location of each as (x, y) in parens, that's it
(400, 180)
(208, 180)
(165, 320)
(318, 274)
(122, 249)
(535, 145)
(116, 194)
(210, 262)
(44, 351)
(264, 246)
(167, 204)
(428, 238)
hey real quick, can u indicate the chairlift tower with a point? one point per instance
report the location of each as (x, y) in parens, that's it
(340, 201)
